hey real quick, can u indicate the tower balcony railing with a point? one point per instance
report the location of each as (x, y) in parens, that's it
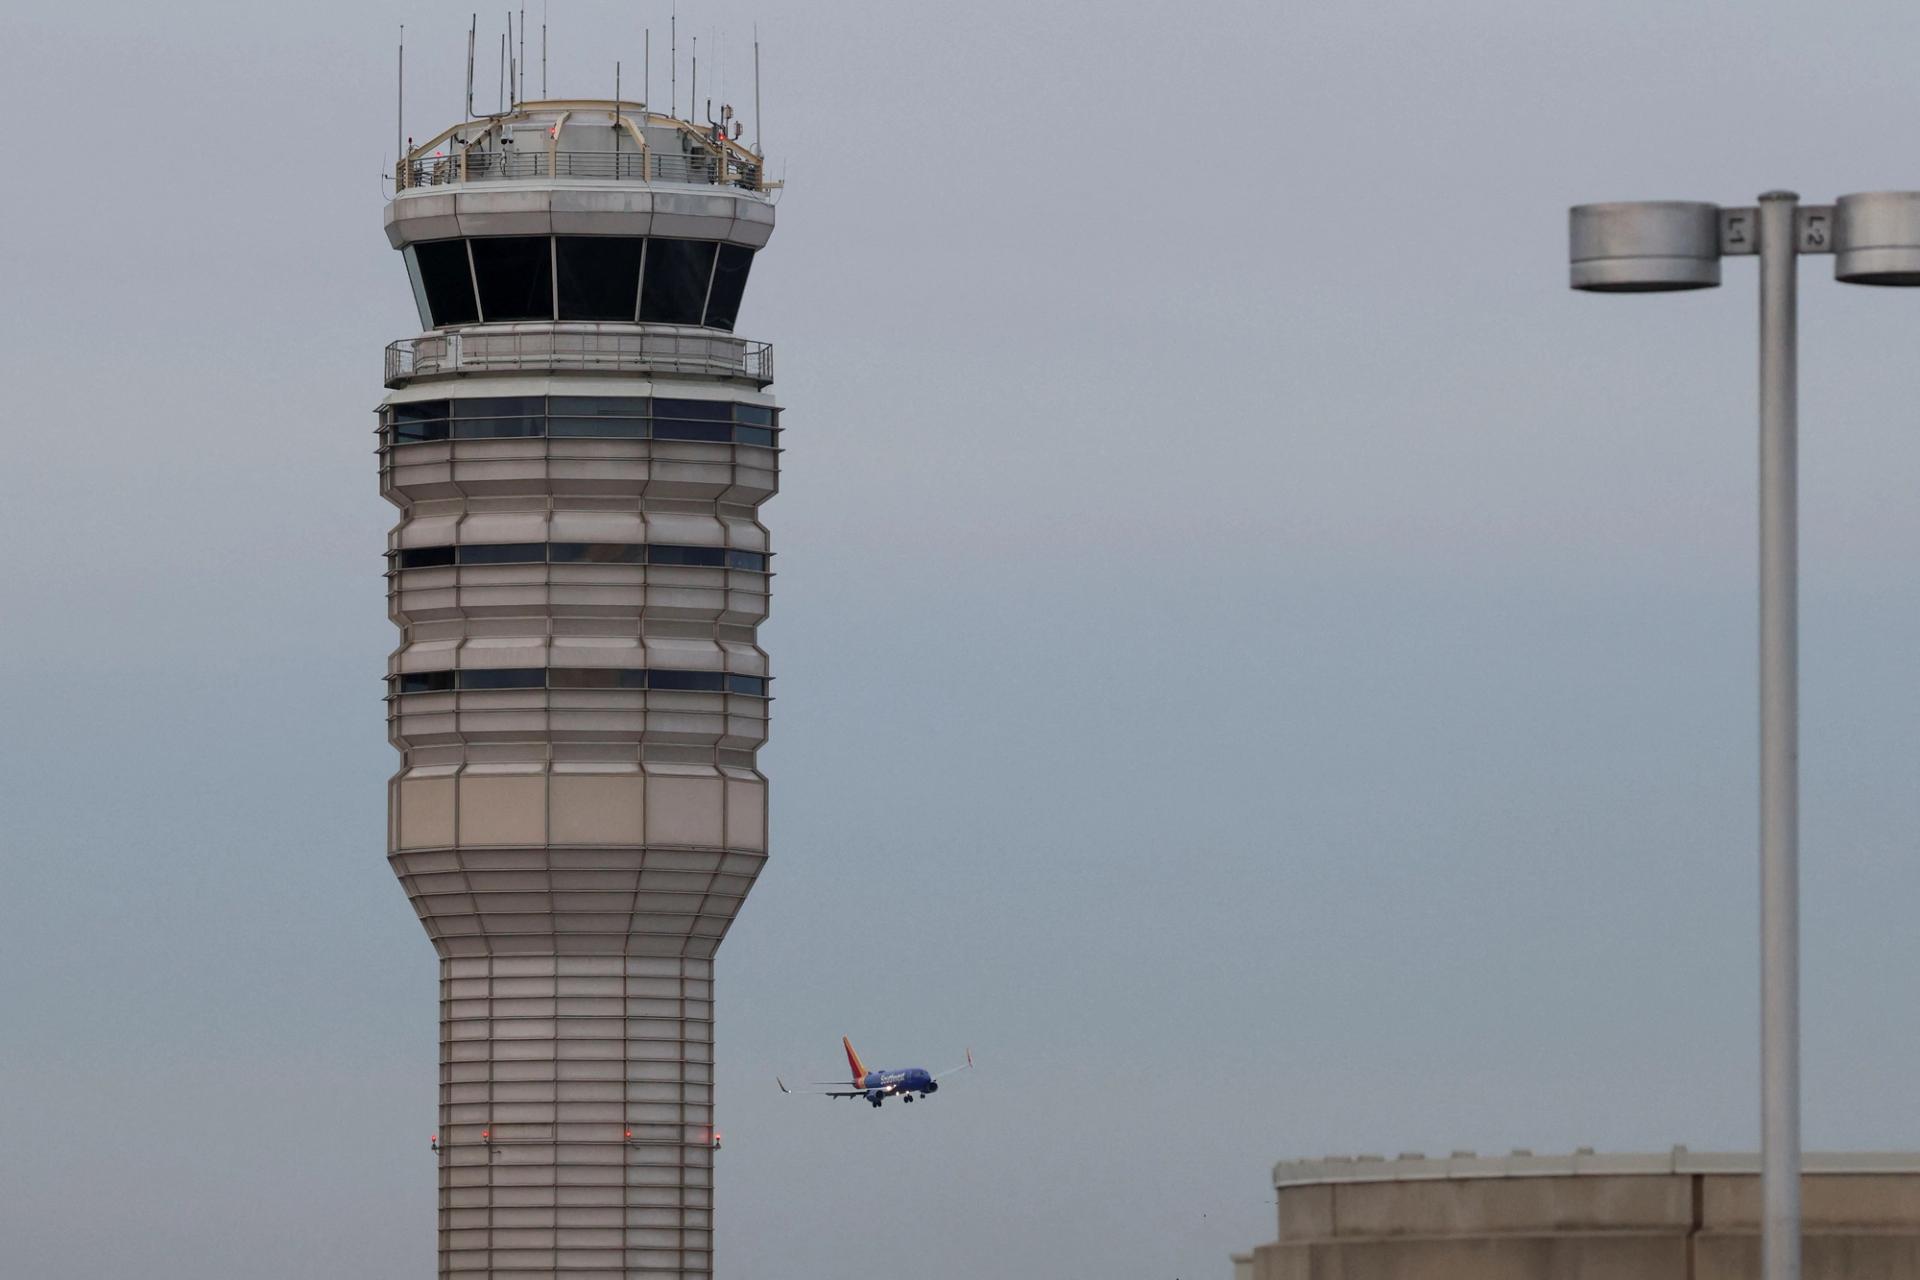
(615, 166)
(562, 348)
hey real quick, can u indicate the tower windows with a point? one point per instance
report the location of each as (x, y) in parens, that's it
(649, 279)
(446, 278)
(498, 417)
(603, 417)
(515, 275)
(596, 552)
(675, 288)
(663, 679)
(599, 276)
(413, 423)
(730, 269)
(656, 553)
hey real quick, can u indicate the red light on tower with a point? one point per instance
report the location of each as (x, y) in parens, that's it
(629, 1135)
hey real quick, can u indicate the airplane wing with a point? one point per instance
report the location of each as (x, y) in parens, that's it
(838, 1090)
(950, 1070)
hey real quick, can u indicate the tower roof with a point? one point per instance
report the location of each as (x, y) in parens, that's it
(594, 140)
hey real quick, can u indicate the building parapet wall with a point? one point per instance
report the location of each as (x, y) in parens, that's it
(1679, 1214)
(1415, 1166)
(532, 209)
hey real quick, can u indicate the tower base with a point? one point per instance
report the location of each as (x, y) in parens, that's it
(576, 1117)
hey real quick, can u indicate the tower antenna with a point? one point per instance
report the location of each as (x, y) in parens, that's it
(543, 49)
(616, 118)
(400, 100)
(759, 146)
(693, 94)
(523, 51)
(513, 68)
(473, 25)
(646, 70)
(673, 63)
(502, 90)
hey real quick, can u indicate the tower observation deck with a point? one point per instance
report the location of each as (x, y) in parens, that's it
(579, 445)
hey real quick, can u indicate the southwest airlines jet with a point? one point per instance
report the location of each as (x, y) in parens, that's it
(877, 1086)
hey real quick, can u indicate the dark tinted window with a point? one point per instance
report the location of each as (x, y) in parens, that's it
(729, 283)
(425, 557)
(598, 553)
(693, 681)
(710, 410)
(601, 428)
(675, 288)
(516, 277)
(668, 430)
(422, 420)
(497, 417)
(615, 416)
(600, 406)
(598, 678)
(599, 276)
(490, 417)
(584, 678)
(579, 553)
(581, 678)
(503, 552)
(448, 280)
(657, 554)
(504, 678)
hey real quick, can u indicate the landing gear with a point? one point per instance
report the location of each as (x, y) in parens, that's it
(876, 1102)
(907, 1097)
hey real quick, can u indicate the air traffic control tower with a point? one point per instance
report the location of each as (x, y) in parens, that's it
(578, 445)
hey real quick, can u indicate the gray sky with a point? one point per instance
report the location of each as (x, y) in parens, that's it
(1260, 660)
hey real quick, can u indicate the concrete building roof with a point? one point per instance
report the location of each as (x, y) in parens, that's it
(1584, 1161)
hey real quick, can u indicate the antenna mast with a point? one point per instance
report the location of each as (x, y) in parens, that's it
(693, 94)
(646, 72)
(400, 102)
(502, 90)
(543, 49)
(673, 61)
(513, 68)
(473, 25)
(759, 147)
(523, 52)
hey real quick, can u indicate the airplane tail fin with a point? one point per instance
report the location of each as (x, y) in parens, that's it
(853, 1061)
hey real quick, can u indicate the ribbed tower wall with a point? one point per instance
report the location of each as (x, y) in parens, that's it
(577, 574)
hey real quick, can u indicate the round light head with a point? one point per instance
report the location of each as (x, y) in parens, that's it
(1876, 238)
(1647, 246)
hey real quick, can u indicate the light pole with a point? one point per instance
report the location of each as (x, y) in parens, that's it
(1657, 246)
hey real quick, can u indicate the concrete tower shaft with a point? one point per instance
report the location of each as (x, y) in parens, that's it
(579, 446)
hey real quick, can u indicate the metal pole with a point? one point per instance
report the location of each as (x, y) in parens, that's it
(1779, 743)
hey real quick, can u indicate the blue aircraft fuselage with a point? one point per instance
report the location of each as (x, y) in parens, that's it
(878, 1084)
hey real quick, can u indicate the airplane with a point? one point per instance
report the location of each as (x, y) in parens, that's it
(877, 1086)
